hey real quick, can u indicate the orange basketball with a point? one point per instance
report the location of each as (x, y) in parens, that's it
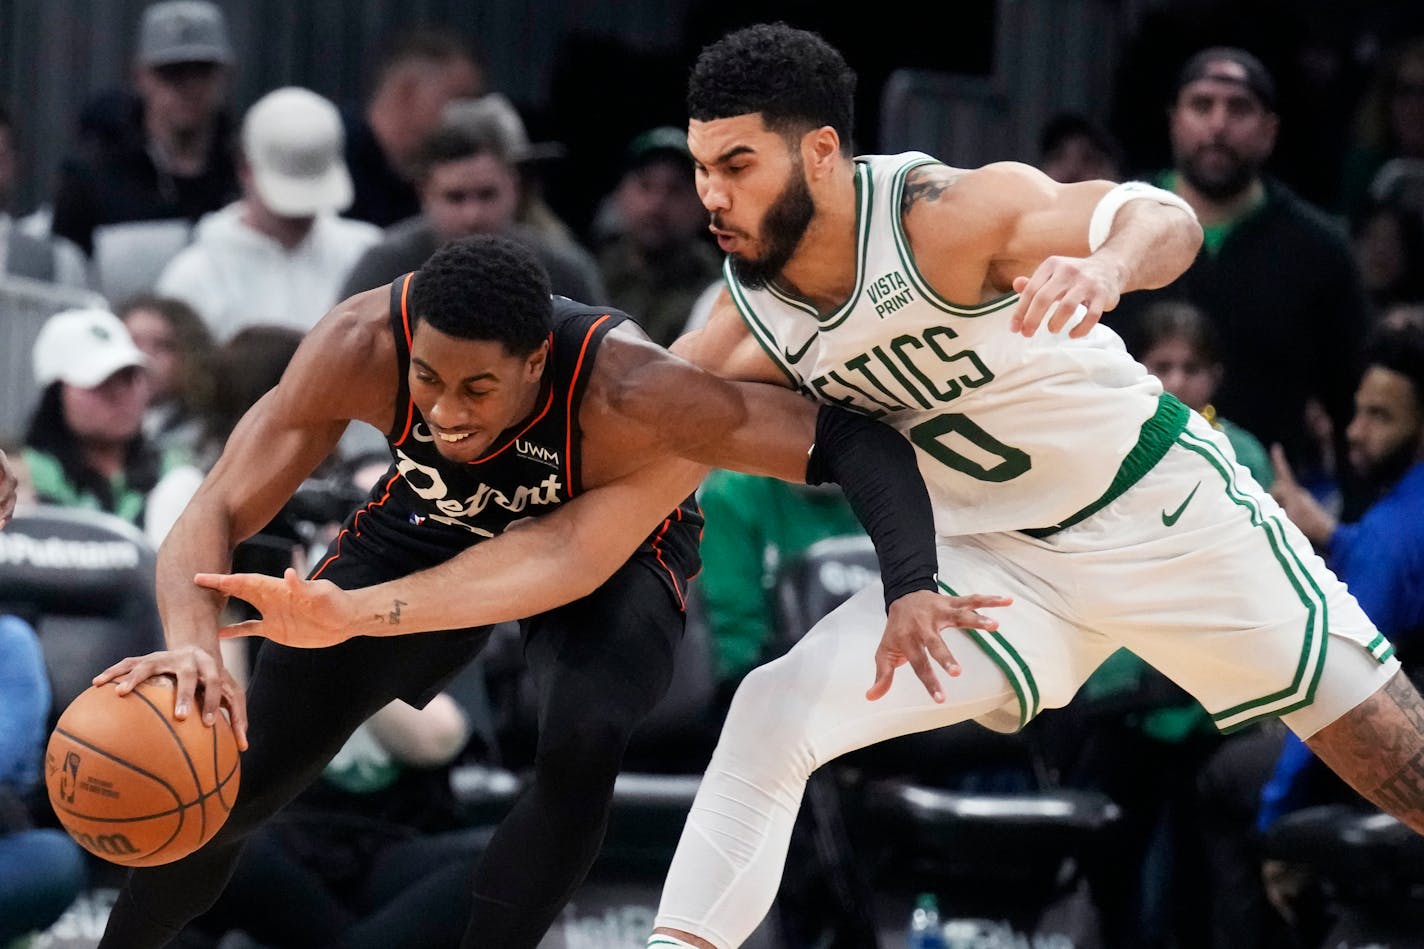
(134, 785)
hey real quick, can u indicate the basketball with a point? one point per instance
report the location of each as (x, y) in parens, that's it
(134, 785)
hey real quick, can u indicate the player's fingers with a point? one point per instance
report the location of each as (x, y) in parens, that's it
(114, 671)
(237, 712)
(1034, 299)
(1092, 315)
(240, 585)
(252, 627)
(142, 669)
(939, 650)
(884, 675)
(212, 680)
(187, 675)
(924, 669)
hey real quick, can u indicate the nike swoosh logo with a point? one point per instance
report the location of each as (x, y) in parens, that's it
(800, 354)
(1169, 519)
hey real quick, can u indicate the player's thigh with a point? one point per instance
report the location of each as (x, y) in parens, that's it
(818, 688)
(610, 653)
(1229, 599)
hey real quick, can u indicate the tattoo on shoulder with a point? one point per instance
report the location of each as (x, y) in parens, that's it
(927, 184)
(393, 617)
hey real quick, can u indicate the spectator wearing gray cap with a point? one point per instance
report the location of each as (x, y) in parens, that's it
(84, 447)
(160, 152)
(279, 254)
(657, 257)
(473, 172)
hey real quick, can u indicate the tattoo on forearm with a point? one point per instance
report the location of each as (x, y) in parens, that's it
(393, 617)
(926, 184)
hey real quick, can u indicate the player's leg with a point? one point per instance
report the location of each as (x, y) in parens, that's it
(302, 705)
(1230, 600)
(297, 720)
(600, 665)
(808, 707)
(1378, 749)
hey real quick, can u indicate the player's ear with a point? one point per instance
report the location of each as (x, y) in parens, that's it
(820, 151)
(534, 364)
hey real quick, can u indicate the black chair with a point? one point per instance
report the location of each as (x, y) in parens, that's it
(966, 812)
(84, 580)
(1369, 868)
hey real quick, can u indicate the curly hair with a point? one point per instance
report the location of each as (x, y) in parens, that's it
(793, 77)
(486, 288)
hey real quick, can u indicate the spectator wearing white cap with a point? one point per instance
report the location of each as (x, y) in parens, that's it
(84, 447)
(278, 255)
(160, 151)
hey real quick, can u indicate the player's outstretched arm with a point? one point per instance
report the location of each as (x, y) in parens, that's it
(536, 566)
(276, 445)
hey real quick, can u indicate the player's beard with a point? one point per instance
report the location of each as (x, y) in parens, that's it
(1219, 184)
(782, 227)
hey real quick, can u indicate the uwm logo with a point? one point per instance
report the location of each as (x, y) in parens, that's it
(537, 453)
(107, 845)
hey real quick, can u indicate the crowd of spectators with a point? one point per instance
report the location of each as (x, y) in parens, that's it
(218, 238)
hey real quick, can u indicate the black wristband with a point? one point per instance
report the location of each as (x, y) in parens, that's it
(876, 468)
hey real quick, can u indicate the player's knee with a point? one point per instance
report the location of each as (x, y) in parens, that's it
(766, 726)
(585, 755)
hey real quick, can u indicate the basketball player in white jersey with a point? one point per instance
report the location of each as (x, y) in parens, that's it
(937, 300)
(944, 302)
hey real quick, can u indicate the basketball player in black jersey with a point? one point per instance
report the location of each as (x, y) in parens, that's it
(499, 406)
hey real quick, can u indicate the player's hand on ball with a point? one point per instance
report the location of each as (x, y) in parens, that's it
(912, 635)
(192, 667)
(307, 614)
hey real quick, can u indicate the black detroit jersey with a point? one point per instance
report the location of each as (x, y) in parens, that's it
(431, 507)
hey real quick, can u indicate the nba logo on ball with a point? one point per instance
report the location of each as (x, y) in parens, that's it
(134, 785)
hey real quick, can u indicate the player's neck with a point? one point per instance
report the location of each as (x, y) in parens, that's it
(822, 269)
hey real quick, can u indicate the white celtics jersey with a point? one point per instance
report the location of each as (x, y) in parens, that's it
(1012, 433)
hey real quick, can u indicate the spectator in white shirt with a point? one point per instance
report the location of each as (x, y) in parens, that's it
(280, 253)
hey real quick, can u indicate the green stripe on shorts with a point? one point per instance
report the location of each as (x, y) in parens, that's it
(1301, 691)
(1007, 658)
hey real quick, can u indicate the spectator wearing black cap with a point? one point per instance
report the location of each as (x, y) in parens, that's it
(1275, 275)
(656, 258)
(163, 154)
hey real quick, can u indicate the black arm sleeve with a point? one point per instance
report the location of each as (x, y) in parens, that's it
(875, 467)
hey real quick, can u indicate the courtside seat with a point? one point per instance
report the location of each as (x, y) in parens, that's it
(1370, 865)
(84, 580)
(1362, 847)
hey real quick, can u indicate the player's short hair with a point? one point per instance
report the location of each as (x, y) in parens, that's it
(486, 288)
(1398, 348)
(793, 77)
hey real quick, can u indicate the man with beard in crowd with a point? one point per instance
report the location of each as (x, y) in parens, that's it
(1274, 274)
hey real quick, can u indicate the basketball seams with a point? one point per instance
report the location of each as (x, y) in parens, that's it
(192, 768)
(131, 754)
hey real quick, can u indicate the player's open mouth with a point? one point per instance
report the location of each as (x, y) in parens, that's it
(452, 436)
